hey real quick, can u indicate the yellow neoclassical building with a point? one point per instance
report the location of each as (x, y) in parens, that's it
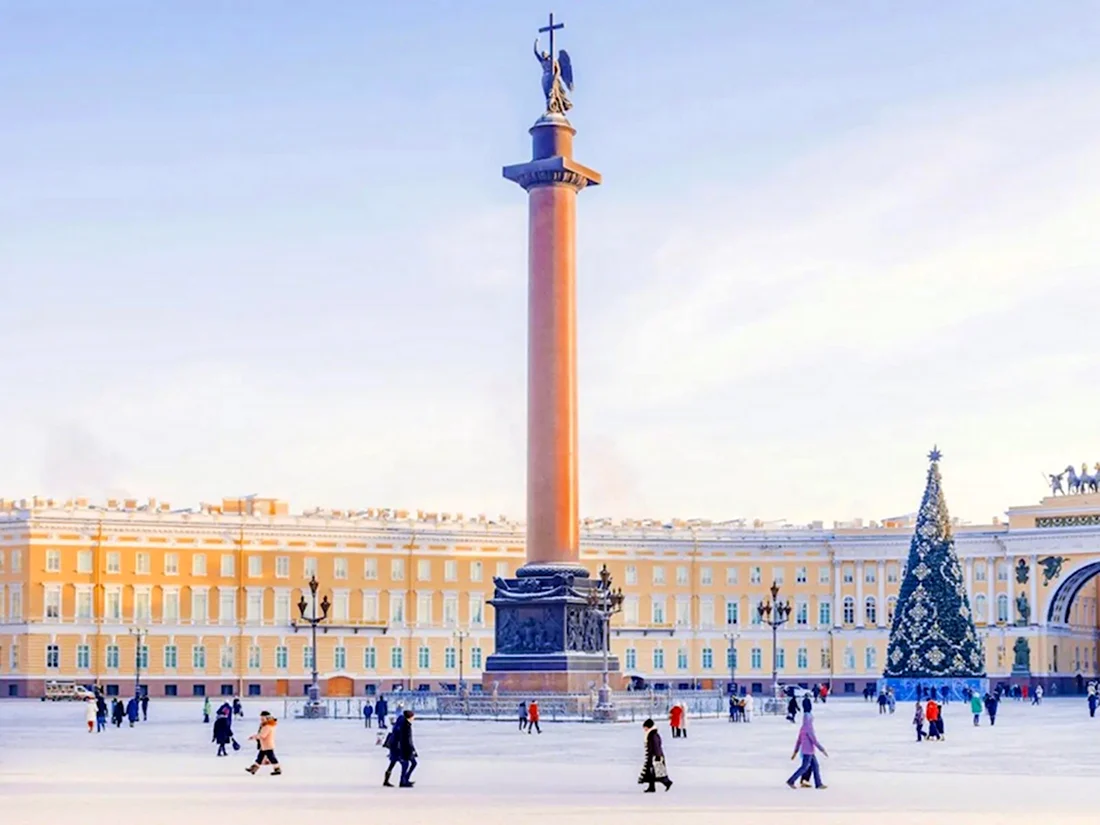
(211, 596)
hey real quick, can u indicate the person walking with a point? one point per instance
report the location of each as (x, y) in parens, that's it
(206, 711)
(117, 712)
(90, 713)
(1093, 700)
(145, 707)
(807, 704)
(381, 710)
(932, 714)
(675, 717)
(976, 707)
(100, 712)
(882, 702)
(1037, 696)
(683, 720)
(654, 769)
(533, 717)
(748, 703)
(223, 730)
(806, 744)
(792, 709)
(265, 745)
(402, 751)
(824, 693)
(918, 721)
(991, 703)
(522, 710)
(237, 709)
(132, 710)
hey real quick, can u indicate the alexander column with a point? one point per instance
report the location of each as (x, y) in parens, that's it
(547, 635)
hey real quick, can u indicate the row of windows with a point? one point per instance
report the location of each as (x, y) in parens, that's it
(801, 612)
(255, 657)
(756, 574)
(256, 564)
(756, 659)
(254, 607)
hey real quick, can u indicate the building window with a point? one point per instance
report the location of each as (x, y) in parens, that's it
(802, 658)
(1002, 571)
(777, 575)
(83, 657)
(980, 608)
(658, 605)
(198, 657)
(450, 610)
(84, 604)
(891, 604)
(198, 606)
(424, 657)
(731, 658)
(227, 606)
(255, 567)
(370, 658)
(423, 570)
(631, 658)
(282, 657)
(370, 569)
(802, 613)
(171, 658)
(630, 611)
(475, 658)
(870, 657)
(83, 561)
(198, 565)
(424, 609)
(170, 606)
(143, 605)
(731, 575)
(849, 610)
(227, 656)
(397, 608)
(114, 562)
(282, 608)
(658, 574)
(53, 603)
(631, 574)
(870, 610)
(682, 658)
(397, 570)
(476, 571)
(112, 657)
(228, 565)
(754, 576)
(658, 659)
(370, 607)
(731, 612)
(706, 576)
(683, 612)
(1002, 608)
(340, 567)
(756, 658)
(892, 573)
(450, 570)
(708, 658)
(282, 567)
(53, 656)
(143, 657)
(823, 574)
(142, 564)
(171, 564)
(17, 561)
(849, 658)
(15, 606)
(53, 561)
(849, 574)
(340, 658)
(826, 658)
(681, 575)
(824, 613)
(869, 574)
(706, 612)
(341, 606)
(502, 570)
(307, 657)
(450, 658)
(979, 571)
(477, 609)
(254, 657)
(800, 575)
(309, 567)
(781, 658)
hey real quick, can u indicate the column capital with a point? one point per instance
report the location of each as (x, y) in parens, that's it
(554, 171)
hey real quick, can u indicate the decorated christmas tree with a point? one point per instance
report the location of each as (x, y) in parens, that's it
(933, 633)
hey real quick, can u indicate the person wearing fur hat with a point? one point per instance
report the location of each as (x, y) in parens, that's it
(265, 744)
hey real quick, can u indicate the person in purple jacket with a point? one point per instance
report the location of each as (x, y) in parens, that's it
(806, 744)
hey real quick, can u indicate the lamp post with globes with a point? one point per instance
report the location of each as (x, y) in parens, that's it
(140, 633)
(731, 654)
(314, 707)
(605, 602)
(775, 614)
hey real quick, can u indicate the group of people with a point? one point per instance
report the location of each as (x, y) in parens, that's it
(932, 712)
(887, 702)
(380, 710)
(236, 709)
(97, 713)
(741, 708)
(678, 720)
(529, 716)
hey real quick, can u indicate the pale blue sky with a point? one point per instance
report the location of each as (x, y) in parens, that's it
(266, 247)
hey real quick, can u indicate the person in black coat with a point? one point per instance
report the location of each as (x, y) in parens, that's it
(381, 708)
(223, 730)
(145, 707)
(400, 745)
(117, 712)
(807, 704)
(654, 769)
(991, 703)
(792, 709)
(237, 709)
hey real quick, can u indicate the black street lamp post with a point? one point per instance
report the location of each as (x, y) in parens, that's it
(782, 612)
(732, 637)
(605, 602)
(314, 707)
(139, 633)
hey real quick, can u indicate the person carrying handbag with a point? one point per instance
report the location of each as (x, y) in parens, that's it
(654, 769)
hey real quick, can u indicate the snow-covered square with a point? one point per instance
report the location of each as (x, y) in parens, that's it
(1038, 763)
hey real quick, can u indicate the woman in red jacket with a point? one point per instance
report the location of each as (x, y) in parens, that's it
(675, 718)
(533, 717)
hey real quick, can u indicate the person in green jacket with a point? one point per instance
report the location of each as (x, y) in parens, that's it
(976, 708)
(206, 710)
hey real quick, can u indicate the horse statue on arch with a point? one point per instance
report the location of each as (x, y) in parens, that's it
(1084, 483)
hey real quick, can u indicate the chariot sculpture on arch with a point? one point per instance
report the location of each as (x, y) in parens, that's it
(557, 73)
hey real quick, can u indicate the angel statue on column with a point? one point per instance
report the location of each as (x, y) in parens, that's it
(557, 76)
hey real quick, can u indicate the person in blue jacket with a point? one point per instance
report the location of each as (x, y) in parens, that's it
(132, 710)
(368, 709)
(381, 708)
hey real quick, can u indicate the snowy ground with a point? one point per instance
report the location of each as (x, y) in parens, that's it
(1029, 767)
